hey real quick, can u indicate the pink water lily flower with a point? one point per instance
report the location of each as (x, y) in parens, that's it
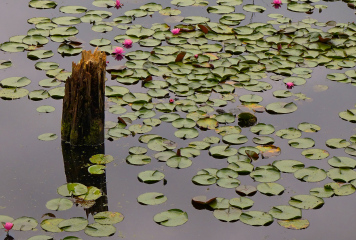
(118, 51)
(277, 3)
(8, 226)
(290, 85)
(175, 31)
(196, 55)
(127, 43)
(118, 4)
(171, 100)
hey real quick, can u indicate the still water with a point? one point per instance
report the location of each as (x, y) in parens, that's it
(32, 170)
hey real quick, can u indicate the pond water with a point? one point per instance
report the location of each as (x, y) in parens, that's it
(32, 170)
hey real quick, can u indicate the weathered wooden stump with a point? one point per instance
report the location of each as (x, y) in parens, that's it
(84, 99)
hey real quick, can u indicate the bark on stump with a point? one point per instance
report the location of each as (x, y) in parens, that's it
(84, 99)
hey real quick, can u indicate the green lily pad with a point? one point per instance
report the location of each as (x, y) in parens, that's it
(74, 224)
(40, 237)
(51, 225)
(96, 169)
(342, 162)
(322, 192)
(70, 189)
(138, 159)
(337, 143)
(241, 202)
(24, 224)
(296, 224)
(220, 9)
(262, 129)
(285, 212)
(5, 64)
(73, 9)
(42, 4)
(235, 139)
(342, 174)
(306, 202)
(13, 47)
(246, 190)
(281, 107)
(288, 166)
(228, 215)
(100, 230)
(315, 154)
(256, 218)
(59, 204)
(178, 162)
(253, 8)
(150, 176)
(108, 217)
(270, 189)
(308, 127)
(222, 151)
(47, 136)
(101, 159)
(171, 218)
(152, 198)
(15, 82)
(301, 143)
(341, 189)
(265, 174)
(204, 179)
(310, 174)
(289, 133)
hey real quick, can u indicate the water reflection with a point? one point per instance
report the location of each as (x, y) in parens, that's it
(76, 161)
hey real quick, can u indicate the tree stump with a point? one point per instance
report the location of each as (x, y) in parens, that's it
(84, 101)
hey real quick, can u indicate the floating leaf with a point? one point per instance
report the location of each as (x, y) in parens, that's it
(270, 189)
(289, 133)
(288, 166)
(59, 204)
(108, 217)
(294, 224)
(228, 215)
(315, 154)
(150, 176)
(47, 136)
(152, 198)
(101, 159)
(241, 202)
(281, 107)
(100, 230)
(306, 202)
(171, 218)
(256, 218)
(24, 224)
(74, 224)
(285, 212)
(337, 143)
(310, 174)
(96, 169)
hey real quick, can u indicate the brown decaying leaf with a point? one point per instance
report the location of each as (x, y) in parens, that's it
(252, 155)
(121, 120)
(180, 57)
(203, 28)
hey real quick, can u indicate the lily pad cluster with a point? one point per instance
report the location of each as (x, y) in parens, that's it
(187, 80)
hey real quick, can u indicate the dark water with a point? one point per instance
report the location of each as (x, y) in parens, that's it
(31, 170)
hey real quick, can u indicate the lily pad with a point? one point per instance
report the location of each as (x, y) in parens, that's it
(270, 189)
(310, 174)
(281, 107)
(285, 212)
(100, 230)
(59, 204)
(256, 218)
(108, 217)
(306, 202)
(152, 198)
(296, 224)
(150, 176)
(315, 154)
(171, 218)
